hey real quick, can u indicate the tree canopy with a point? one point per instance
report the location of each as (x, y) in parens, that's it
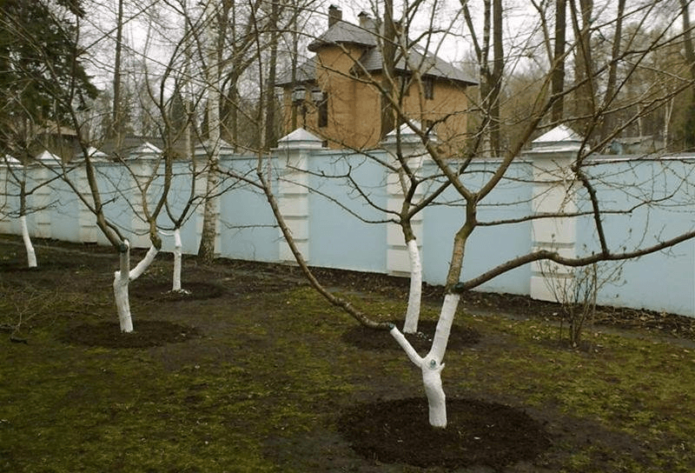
(41, 77)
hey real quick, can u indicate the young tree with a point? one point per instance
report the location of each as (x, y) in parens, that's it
(477, 189)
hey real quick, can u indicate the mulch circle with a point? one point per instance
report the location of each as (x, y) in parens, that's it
(478, 434)
(146, 333)
(370, 339)
(161, 291)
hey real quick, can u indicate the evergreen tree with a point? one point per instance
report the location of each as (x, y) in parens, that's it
(41, 77)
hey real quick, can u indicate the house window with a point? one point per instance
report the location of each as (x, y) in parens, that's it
(323, 111)
(428, 86)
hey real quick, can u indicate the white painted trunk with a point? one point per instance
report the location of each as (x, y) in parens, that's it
(432, 364)
(31, 254)
(120, 290)
(412, 315)
(431, 380)
(176, 286)
(144, 264)
(446, 320)
(436, 400)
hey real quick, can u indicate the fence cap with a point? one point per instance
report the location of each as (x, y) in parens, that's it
(560, 136)
(300, 138)
(146, 149)
(407, 135)
(560, 142)
(94, 154)
(11, 162)
(48, 158)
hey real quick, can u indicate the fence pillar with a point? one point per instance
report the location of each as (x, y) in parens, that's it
(293, 153)
(409, 144)
(42, 196)
(552, 156)
(141, 164)
(88, 230)
(201, 165)
(86, 219)
(8, 188)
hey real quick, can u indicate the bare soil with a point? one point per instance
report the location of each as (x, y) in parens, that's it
(486, 432)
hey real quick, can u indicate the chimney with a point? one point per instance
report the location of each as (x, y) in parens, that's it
(366, 22)
(335, 14)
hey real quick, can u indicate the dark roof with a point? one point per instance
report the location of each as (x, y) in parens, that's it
(372, 59)
(306, 72)
(344, 32)
(428, 64)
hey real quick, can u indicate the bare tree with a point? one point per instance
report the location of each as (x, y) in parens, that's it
(476, 194)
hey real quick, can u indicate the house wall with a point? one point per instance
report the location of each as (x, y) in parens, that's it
(355, 106)
(449, 103)
(344, 231)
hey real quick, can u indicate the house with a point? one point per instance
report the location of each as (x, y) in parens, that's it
(334, 95)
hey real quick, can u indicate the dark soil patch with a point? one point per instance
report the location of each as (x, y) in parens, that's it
(147, 333)
(479, 302)
(370, 339)
(477, 434)
(161, 291)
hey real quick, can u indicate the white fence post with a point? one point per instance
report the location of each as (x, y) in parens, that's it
(293, 153)
(42, 197)
(552, 156)
(413, 151)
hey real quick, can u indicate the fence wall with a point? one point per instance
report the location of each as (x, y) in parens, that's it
(340, 226)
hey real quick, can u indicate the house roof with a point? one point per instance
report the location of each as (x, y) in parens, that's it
(343, 32)
(429, 65)
(306, 72)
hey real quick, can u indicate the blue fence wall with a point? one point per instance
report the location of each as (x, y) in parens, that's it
(644, 202)
(348, 232)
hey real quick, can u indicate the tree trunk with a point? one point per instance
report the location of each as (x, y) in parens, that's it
(415, 295)
(689, 50)
(121, 282)
(388, 120)
(117, 127)
(31, 254)
(270, 140)
(497, 71)
(607, 127)
(432, 365)
(558, 75)
(207, 243)
(176, 287)
(121, 279)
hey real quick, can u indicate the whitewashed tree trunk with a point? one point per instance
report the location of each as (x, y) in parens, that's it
(31, 254)
(176, 286)
(121, 281)
(412, 315)
(144, 264)
(120, 289)
(432, 364)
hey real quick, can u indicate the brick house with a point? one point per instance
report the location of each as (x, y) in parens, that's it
(334, 96)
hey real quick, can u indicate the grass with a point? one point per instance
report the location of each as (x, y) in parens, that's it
(262, 389)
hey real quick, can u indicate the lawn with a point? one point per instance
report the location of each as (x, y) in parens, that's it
(254, 372)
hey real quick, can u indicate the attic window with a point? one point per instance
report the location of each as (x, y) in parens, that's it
(428, 86)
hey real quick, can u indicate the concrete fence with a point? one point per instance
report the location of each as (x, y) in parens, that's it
(337, 224)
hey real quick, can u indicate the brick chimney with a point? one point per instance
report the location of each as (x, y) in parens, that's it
(335, 14)
(367, 22)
